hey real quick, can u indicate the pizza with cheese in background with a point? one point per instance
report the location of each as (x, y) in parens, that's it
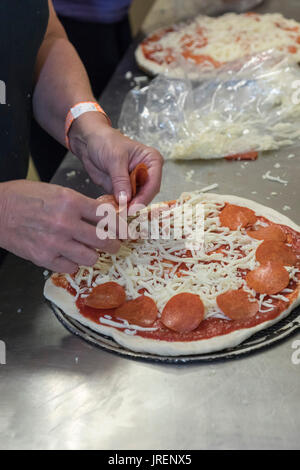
(161, 297)
(208, 42)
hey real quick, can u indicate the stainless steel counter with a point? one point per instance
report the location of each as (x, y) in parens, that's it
(58, 392)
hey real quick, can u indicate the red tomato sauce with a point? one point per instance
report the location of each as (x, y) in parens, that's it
(190, 45)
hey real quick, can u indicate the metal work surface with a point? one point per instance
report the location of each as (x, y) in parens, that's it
(57, 391)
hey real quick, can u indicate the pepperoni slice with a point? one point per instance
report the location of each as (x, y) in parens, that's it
(138, 177)
(141, 311)
(183, 312)
(243, 156)
(233, 216)
(107, 295)
(271, 232)
(272, 250)
(237, 304)
(269, 278)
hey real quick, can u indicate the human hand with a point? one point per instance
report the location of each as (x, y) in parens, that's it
(51, 226)
(109, 157)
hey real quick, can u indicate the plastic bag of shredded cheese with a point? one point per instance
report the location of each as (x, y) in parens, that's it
(249, 105)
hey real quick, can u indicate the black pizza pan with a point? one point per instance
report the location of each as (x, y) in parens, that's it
(258, 342)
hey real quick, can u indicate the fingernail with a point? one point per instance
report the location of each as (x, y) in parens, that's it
(122, 195)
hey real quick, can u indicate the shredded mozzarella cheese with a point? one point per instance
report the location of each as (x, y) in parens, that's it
(229, 37)
(154, 265)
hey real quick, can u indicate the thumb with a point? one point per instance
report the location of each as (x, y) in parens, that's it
(120, 179)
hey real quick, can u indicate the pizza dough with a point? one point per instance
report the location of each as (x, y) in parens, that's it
(228, 256)
(205, 43)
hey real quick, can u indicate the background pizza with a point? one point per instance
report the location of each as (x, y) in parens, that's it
(209, 42)
(157, 296)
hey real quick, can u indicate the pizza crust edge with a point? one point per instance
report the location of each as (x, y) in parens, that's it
(65, 301)
(173, 72)
(147, 66)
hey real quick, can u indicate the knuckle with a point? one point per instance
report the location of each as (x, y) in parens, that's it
(63, 210)
(157, 156)
(154, 153)
(68, 198)
(119, 179)
(60, 224)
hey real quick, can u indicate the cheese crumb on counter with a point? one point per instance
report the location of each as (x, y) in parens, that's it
(277, 179)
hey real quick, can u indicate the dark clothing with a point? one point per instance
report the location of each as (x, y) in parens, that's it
(100, 47)
(23, 25)
(94, 11)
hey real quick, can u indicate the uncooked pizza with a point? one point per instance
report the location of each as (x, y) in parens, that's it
(161, 296)
(209, 42)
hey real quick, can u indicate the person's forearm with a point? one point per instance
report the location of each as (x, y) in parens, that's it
(61, 81)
